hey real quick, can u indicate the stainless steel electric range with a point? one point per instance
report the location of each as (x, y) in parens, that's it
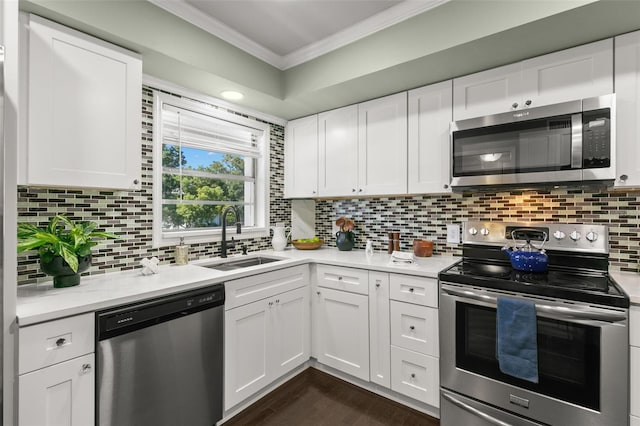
(581, 316)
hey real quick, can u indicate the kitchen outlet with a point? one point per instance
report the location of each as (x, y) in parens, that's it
(453, 234)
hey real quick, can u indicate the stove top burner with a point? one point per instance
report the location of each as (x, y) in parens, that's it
(559, 282)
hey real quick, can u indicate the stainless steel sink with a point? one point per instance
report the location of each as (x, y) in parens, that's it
(231, 265)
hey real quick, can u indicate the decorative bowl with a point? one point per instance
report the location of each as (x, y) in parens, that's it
(300, 245)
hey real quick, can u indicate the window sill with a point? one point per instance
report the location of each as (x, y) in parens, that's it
(190, 237)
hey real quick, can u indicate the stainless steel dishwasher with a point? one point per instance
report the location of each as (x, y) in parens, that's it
(160, 362)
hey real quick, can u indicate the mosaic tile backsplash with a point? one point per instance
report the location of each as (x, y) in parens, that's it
(130, 215)
(426, 217)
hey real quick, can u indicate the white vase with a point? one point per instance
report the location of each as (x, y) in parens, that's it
(280, 237)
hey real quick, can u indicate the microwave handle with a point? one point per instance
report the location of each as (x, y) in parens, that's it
(576, 141)
(560, 312)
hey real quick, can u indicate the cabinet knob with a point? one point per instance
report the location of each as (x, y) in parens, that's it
(318, 293)
(339, 278)
(270, 304)
(624, 177)
(360, 190)
(313, 192)
(136, 181)
(277, 300)
(412, 327)
(528, 102)
(411, 290)
(445, 186)
(377, 283)
(61, 341)
(86, 368)
(413, 375)
(353, 190)
(514, 105)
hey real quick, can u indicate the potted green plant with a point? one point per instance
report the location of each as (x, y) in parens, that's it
(64, 247)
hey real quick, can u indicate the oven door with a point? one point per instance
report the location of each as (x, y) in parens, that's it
(582, 358)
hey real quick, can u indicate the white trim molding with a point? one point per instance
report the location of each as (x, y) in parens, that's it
(391, 16)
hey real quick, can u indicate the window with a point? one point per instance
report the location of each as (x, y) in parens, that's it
(206, 159)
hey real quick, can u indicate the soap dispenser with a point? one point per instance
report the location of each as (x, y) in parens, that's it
(182, 253)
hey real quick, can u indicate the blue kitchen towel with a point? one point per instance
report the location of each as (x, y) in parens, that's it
(517, 338)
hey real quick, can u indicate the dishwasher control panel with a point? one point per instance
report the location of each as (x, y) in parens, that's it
(119, 320)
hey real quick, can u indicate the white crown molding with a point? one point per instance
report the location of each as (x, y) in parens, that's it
(395, 14)
(158, 83)
(213, 26)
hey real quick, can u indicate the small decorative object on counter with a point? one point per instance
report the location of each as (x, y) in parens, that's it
(280, 237)
(308, 243)
(396, 241)
(345, 238)
(422, 248)
(390, 248)
(368, 249)
(182, 253)
(64, 247)
(150, 266)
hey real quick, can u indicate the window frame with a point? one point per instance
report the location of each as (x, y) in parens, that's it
(262, 195)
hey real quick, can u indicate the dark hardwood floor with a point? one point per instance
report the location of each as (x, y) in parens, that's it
(317, 398)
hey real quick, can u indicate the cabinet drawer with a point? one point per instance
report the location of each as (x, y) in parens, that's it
(414, 327)
(420, 290)
(55, 341)
(415, 375)
(347, 279)
(250, 289)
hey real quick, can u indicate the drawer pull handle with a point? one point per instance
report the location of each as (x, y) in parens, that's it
(61, 341)
(413, 375)
(277, 300)
(412, 327)
(339, 278)
(411, 290)
(86, 368)
(270, 304)
(318, 293)
(377, 283)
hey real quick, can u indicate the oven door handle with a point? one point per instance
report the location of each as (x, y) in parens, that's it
(474, 411)
(553, 311)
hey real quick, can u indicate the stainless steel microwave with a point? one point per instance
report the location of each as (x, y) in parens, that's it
(561, 144)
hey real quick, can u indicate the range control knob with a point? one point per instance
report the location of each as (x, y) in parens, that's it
(575, 235)
(484, 231)
(473, 231)
(559, 235)
(591, 236)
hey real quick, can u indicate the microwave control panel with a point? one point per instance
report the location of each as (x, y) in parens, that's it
(596, 139)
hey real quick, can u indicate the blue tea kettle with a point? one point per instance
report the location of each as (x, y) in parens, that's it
(528, 257)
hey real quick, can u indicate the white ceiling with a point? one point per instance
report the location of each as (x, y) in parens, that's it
(286, 33)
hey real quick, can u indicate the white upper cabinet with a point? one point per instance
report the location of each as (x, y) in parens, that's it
(382, 145)
(301, 158)
(627, 66)
(428, 147)
(338, 151)
(84, 111)
(487, 92)
(580, 72)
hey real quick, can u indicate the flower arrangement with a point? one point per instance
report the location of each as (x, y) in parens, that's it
(346, 224)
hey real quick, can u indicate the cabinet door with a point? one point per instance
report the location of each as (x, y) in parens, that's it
(634, 375)
(62, 394)
(581, 72)
(430, 113)
(290, 320)
(488, 92)
(343, 331)
(379, 340)
(382, 145)
(84, 109)
(338, 151)
(247, 351)
(627, 80)
(301, 158)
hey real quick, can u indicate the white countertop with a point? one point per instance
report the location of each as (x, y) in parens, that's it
(630, 283)
(42, 302)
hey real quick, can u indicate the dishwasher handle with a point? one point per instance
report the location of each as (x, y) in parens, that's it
(127, 318)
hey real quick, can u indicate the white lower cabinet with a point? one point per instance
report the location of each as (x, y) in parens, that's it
(379, 329)
(267, 338)
(56, 372)
(62, 394)
(634, 421)
(341, 324)
(415, 375)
